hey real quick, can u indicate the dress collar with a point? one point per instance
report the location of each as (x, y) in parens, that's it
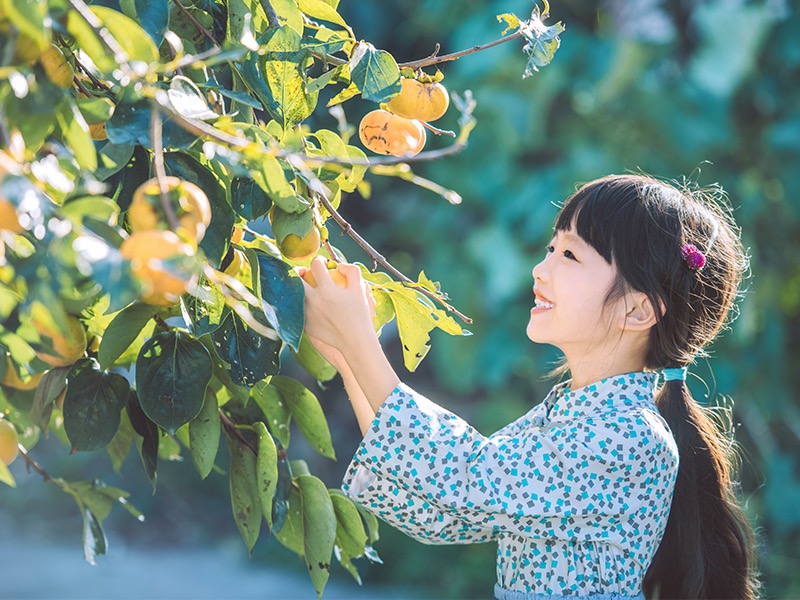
(617, 391)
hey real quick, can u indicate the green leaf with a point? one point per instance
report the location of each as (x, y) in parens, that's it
(319, 529)
(187, 99)
(317, 9)
(307, 413)
(416, 317)
(280, 502)
(120, 445)
(374, 72)
(95, 110)
(272, 179)
(248, 199)
(52, 383)
(148, 449)
(313, 362)
(204, 435)
(289, 15)
(6, 476)
(215, 242)
(154, 17)
(172, 372)
(93, 404)
(351, 536)
(245, 17)
(290, 535)
(207, 313)
(251, 357)
(30, 18)
(283, 298)
(94, 538)
(75, 132)
(122, 331)
(112, 158)
(130, 124)
(266, 471)
(244, 495)
(277, 413)
(240, 97)
(542, 41)
(277, 77)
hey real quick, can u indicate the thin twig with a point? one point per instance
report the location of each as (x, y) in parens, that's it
(82, 87)
(95, 81)
(158, 165)
(434, 59)
(272, 16)
(198, 25)
(379, 258)
(438, 131)
(32, 464)
(231, 428)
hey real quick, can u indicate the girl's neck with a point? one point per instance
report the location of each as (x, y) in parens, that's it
(586, 370)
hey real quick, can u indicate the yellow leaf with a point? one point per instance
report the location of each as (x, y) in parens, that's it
(512, 21)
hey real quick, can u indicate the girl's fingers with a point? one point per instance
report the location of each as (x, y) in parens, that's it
(319, 267)
(351, 272)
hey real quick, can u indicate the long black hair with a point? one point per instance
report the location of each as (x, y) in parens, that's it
(640, 225)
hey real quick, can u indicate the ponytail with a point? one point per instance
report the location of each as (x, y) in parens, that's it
(707, 550)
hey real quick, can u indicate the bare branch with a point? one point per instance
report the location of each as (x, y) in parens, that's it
(197, 24)
(158, 165)
(438, 131)
(272, 16)
(433, 59)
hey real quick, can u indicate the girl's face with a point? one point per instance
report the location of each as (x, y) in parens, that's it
(570, 287)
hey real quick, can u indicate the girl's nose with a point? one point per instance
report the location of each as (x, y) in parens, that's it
(539, 271)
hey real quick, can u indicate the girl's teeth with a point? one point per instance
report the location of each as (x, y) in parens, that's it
(543, 304)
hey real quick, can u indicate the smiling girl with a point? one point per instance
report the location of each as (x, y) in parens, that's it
(614, 486)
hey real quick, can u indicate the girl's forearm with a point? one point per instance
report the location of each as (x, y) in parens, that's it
(361, 407)
(370, 372)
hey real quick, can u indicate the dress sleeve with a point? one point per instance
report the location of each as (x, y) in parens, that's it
(428, 472)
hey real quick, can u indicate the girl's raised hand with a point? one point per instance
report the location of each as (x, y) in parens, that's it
(337, 316)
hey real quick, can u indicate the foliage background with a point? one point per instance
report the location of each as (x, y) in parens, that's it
(709, 90)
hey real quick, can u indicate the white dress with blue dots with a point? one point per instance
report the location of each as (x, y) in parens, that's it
(576, 492)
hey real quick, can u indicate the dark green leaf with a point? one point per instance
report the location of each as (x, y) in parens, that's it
(204, 435)
(130, 124)
(266, 471)
(244, 494)
(251, 357)
(205, 314)
(93, 404)
(290, 535)
(375, 73)
(112, 158)
(50, 387)
(307, 413)
(280, 503)
(351, 537)
(283, 298)
(154, 17)
(248, 199)
(121, 332)
(319, 529)
(150, 437)
(172, 372)
(241, 97)
(215, 242)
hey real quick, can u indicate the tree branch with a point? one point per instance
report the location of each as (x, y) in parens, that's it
(434, 59)
(272, 16)
(197, 24)
(32, 464)
(158, 165)
(231, 428)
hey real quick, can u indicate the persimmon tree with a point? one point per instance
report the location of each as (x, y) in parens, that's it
(141, 308)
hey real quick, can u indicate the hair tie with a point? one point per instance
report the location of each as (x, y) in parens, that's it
(693, 258)
(677, 374)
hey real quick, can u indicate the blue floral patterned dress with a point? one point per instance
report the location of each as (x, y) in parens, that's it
(576, 492)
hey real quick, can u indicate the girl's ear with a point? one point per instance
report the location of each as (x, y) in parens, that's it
(641, 314)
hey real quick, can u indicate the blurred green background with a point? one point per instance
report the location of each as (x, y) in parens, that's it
(709, 90)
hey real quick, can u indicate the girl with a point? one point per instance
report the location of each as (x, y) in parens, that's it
(613, 486)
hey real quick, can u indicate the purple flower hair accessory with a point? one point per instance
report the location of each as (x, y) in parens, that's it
(694, 259)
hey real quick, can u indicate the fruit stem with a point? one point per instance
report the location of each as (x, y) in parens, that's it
(438, 131)
(434, 59)
(158, 165)
(379, 258)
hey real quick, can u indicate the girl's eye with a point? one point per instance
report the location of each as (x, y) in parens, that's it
(549, 249)
(569, 254)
